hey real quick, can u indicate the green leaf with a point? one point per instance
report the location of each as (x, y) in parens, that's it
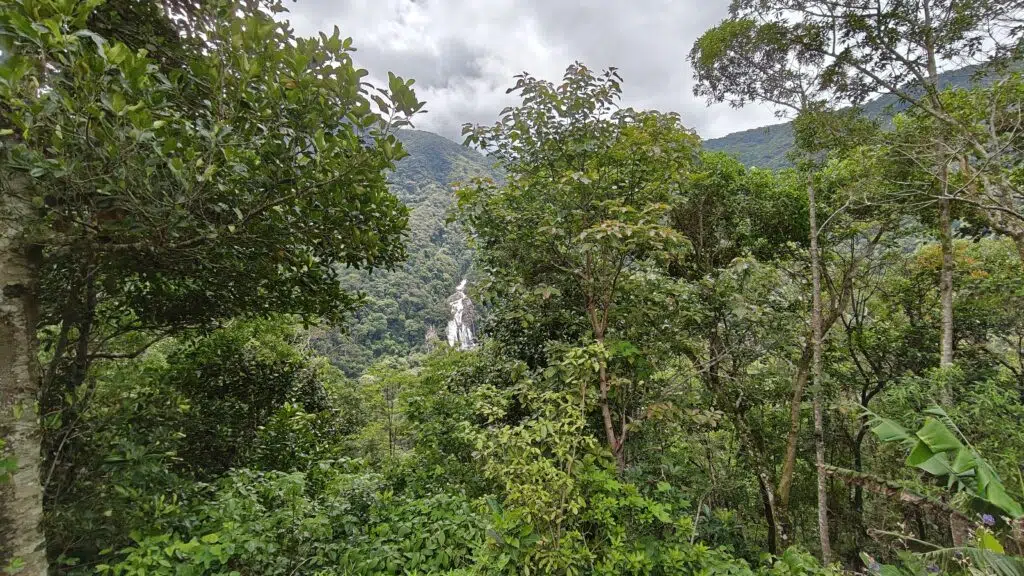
(965, 460)
(938, 437)
(920, 454)
(988, 541)
(888, 431)
(996, 495)
(661, 514)
(937, 465)
(992, 562)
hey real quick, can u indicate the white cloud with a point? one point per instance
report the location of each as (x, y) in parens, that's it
(464, 53)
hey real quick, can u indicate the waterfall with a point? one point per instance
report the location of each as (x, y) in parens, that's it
(460, 327)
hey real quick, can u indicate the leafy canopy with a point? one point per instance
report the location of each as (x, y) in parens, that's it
(236, 183)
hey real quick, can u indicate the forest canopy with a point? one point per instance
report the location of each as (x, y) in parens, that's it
(225, 261)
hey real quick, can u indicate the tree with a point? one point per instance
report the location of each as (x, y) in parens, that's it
(866, 47)
(743, 225)
(983, 185)
(383, 389)
(132, 205)
(585, 202)
(741, 61)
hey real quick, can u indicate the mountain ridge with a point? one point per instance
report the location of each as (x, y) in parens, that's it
(766, 146)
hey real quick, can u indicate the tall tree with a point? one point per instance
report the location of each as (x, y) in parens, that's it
(736, 218)
(741, 61)
(585, 200)
(21, 494)
(868, 47)
(144, 208)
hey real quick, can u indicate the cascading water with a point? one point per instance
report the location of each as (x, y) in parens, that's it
(460, 327)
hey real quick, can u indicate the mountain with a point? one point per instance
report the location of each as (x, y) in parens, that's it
(403, 306)
(406, 305)
(766, 147)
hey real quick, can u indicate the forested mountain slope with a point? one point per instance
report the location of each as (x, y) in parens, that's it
(403, 305)
(688, 366)
(766, 146)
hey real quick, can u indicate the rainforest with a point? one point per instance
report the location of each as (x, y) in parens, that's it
(254, 321)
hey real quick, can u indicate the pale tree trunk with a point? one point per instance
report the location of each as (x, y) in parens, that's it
(803, 370)
(945, 218)
(946, 288)
(21, 498)
(816, 379)
(770, 513)
(945, 239)
(946, 296)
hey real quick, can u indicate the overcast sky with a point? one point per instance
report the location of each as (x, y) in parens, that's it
(464, 53)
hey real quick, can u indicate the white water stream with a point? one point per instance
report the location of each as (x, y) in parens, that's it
(460, 327)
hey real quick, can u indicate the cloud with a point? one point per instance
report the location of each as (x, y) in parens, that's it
(452, 62)
(464, 53)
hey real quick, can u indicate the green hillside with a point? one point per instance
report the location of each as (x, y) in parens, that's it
(674, 364)
(403, 305)
(766, 146)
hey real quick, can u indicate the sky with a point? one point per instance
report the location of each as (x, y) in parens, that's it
(464, 53)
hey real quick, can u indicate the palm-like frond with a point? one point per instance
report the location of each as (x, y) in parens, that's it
(986, 561)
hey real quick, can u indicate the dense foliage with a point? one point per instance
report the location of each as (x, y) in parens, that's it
(687, 365)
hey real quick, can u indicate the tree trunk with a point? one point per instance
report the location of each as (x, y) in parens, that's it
(858, 465)
(21, 497)
(861, 534)
(615, 442)
(945, 218)
(770, 514)
(816, 373)
(803, 370)
(946, 288)
(793, 436)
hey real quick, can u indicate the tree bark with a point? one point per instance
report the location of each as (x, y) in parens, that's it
(858, 466)
(770, 514)
(799, 384)
(21, 497)
(615, 442)
(898, 493)
(946, 288)
(793, 436)
(816, 378)
(945, 218)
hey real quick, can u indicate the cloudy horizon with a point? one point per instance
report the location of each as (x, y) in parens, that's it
(464, 53)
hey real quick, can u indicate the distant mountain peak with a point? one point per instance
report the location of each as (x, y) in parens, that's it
(436, 161)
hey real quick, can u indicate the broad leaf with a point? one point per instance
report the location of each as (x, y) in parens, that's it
(938, 437)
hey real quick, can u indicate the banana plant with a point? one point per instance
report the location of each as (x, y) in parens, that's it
(939, 449)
